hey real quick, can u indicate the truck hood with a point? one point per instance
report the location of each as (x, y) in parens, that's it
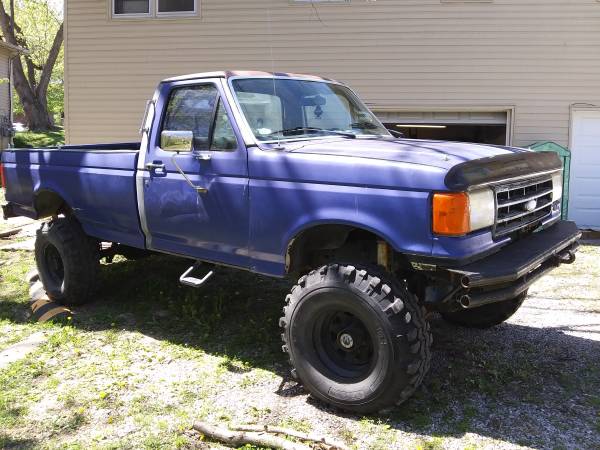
(440, 154)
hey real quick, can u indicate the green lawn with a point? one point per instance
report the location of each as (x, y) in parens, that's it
(39, 139)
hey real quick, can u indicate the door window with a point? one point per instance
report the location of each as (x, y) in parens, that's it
(192, 109)
(223, 135)
(198, 109)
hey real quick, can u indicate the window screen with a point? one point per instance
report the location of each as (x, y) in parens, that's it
(132, 6)
(192, 109)
(166, 6)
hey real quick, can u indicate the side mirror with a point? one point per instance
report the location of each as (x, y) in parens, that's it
(177, 141)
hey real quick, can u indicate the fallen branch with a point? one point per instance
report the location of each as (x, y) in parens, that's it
(8, 233)
(333, 445)
(240, 438)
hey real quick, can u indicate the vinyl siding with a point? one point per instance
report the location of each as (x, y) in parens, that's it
(537, 57)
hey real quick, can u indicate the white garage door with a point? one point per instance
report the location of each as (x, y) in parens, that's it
(584, 198)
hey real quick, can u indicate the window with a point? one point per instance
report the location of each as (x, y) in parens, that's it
(126, 7)
(264, 111)
(192, 109)
(176, 6)
(154, 8)
(282, 108)
(223, 135)
(322, 1)
(198, 109)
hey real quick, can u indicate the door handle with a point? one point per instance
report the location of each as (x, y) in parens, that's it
(156, 167)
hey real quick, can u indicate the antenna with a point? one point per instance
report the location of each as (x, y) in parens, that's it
(270, 26)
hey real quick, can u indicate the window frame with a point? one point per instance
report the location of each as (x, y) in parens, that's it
(153, 12)
(211, 131)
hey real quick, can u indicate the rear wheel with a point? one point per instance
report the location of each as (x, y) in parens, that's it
(67, 261)
(356, 339)
(486, 316)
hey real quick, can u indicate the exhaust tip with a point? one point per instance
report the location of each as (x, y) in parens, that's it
(465, 282)
(465, 301)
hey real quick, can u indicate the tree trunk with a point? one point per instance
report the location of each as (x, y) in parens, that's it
(33, 95)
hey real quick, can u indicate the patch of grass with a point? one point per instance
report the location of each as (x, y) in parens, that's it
(464, 424)
(301, 425)
(35, 139)
(15, 392)
(436, 443)
(380, 433)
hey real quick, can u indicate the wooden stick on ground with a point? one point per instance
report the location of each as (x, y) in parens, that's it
(8, 233)
(239, 438)
(334, 445)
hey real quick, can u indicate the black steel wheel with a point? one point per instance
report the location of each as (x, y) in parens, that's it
(356, 338)
(344, 345)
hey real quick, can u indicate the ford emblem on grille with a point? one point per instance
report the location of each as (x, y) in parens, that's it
(531, 205)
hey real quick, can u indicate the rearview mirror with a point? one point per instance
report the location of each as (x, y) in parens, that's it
(177, 141)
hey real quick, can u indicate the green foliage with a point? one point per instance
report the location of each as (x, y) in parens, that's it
(39, 21)
(32, 139)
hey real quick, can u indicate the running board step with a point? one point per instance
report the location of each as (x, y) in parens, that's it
(188, 280)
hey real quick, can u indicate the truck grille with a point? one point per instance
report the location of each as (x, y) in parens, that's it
(521, 205)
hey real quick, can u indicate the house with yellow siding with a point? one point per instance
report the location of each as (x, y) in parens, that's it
(493, 71)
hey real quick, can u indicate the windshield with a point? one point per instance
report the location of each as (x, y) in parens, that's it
(278, 109)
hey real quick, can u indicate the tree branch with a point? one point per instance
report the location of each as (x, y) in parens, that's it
(240, 438)
(5, 25)
(49, 65)
(30, 71)
(333, 445)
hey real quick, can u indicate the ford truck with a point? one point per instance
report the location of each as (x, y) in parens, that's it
(292, 176)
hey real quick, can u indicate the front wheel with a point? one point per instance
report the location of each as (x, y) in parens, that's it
(486, 316)
(356, 339)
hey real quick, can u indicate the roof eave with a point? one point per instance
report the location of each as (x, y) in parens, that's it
(13, 49)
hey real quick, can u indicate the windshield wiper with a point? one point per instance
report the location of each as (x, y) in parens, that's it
(317, 130)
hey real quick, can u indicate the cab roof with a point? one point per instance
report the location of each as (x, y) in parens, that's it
(244, 74)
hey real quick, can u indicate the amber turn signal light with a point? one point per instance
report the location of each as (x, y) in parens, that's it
(451, 213)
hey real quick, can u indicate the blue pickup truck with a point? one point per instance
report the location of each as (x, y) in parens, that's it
(292, 175)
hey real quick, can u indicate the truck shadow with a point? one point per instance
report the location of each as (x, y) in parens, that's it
(524, 385)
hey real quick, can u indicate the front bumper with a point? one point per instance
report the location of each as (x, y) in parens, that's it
(511, 271)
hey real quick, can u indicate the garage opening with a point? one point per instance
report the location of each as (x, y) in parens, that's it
(479, 127)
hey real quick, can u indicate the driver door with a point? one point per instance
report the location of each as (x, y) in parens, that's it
(202, 212)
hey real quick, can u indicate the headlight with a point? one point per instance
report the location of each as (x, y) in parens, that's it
(459, 213)
(557, 184)
(483, 209)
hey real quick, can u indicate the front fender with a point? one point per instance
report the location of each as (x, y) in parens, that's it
(285, 209)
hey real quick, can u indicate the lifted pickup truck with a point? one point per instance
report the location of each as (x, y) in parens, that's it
(286, 174)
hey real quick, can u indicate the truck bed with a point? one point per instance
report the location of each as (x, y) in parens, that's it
(97, 181)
